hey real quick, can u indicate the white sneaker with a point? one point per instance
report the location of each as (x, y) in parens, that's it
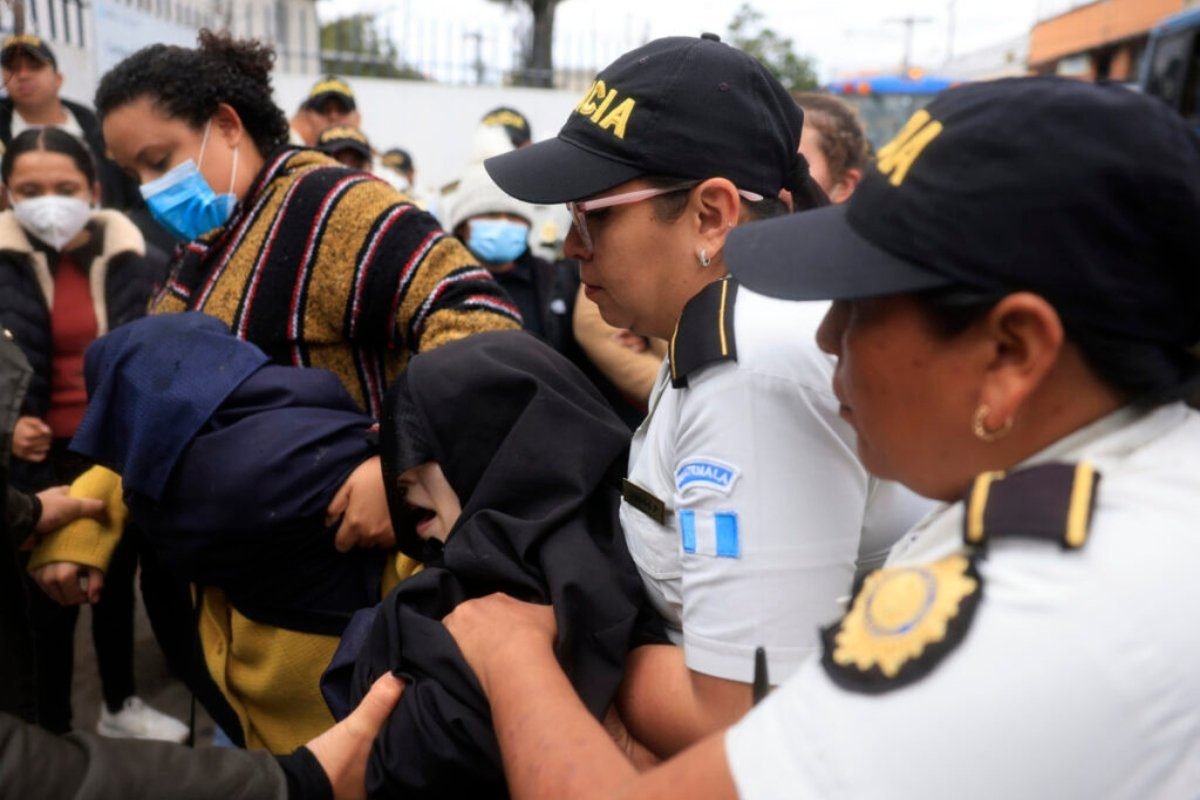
(136, 720)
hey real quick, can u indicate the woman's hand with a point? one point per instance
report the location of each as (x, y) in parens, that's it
(31, 439)
(69, 584)
(495, 632)
(361, 502)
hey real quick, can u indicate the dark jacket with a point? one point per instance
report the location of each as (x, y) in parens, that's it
(114, 260)
(228, 463)
(534, 455)
(17, 687)
(34, 763)
(530, 284)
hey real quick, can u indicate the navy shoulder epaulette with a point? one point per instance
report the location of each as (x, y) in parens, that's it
(1053, 502)
(904, 620)
(704, 334)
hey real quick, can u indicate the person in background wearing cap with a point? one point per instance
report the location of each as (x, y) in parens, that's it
(834, 144)
(400, 162)
(1017, 349)
(396, 167)
(503, 129)
(741, 542)
(346, 145)
(514, 123)
(330, 102)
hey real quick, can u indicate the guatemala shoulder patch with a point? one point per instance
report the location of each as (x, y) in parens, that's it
(706, 473)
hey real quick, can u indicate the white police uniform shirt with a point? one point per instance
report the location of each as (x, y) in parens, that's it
(766, 508)
(1077, 678)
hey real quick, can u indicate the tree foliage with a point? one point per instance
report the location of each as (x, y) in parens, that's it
(538, 59)
(775, 52)
(354, 46)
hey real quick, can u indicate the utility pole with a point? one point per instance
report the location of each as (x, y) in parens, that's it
(909, 23)
(18, 11)
(479, 66)
(951, 10)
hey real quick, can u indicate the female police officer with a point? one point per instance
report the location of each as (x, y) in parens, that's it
(745, 508)
(1015, 347)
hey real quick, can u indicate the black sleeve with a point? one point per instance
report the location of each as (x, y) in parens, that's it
(81, 766)
(19, 515)
(306, 780)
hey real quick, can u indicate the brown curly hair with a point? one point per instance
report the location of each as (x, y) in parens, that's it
(189, 83)
(842, 139)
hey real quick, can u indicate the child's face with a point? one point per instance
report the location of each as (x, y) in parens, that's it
(434, 504)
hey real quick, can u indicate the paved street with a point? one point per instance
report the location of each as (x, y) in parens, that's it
(154, 683)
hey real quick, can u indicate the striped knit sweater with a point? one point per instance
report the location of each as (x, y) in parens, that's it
(326, 267)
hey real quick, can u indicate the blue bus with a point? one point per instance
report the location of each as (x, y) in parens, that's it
(1171, 64)
(885, 102)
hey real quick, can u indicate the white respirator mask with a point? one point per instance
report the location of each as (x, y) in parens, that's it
(53, 219)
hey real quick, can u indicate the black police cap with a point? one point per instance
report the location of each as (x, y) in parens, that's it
(679, 107)
(1088, 195)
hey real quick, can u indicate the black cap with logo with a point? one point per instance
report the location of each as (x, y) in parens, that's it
(1086, 194)
(26, 43)
(397, 159)
(330, 87)
(514, 123)
(344, 137)
(679, 107)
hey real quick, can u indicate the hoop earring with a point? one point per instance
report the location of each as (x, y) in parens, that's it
(702, 256)
(979, 426)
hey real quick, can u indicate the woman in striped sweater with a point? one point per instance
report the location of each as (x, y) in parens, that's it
(314, 263)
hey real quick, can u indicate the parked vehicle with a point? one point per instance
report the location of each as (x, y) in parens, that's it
(1171, 65)
(885, 102)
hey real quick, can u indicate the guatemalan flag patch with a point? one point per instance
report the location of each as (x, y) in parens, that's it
(706, 473)
(710, 533)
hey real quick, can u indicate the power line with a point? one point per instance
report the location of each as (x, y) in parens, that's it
(909, 23)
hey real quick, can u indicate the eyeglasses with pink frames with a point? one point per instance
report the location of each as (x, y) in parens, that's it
(578, 209)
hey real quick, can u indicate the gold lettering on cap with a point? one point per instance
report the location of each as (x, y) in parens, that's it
(510, 118)
(608, 100)
(897, 156)
(587, 106)
(595, 106)
(618, 118)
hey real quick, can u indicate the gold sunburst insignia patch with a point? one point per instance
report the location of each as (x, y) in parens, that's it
(901, 623)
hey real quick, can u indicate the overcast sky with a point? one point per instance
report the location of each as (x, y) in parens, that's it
(842, 35)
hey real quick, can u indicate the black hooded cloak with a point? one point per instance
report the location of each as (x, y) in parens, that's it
(535, 455)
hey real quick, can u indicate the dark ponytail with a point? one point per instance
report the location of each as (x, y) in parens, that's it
(807, 194)
(189, 83)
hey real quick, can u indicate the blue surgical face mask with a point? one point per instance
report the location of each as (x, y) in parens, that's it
(183, 202)
(498, 241)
